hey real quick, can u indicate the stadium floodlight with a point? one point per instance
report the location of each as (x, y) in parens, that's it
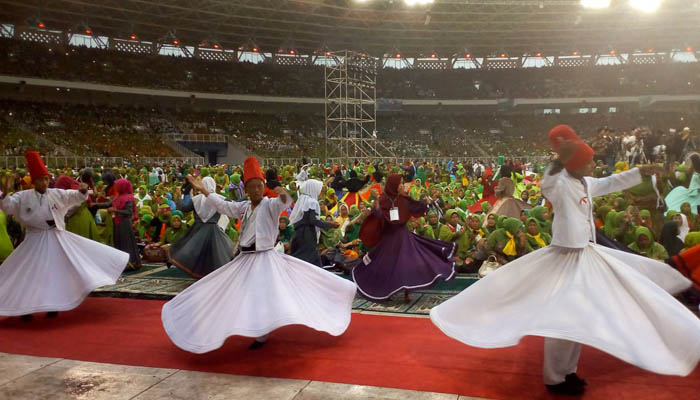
(647, 6)
(595, 3)
(418, 2)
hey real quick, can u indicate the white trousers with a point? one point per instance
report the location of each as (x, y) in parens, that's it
(560, 360)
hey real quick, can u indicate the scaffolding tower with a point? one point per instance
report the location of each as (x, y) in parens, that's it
(351, 97)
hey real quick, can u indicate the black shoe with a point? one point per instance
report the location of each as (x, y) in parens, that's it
(568, 388)
(52, 314)
(576, 379)
(26, 317)
(256, 345)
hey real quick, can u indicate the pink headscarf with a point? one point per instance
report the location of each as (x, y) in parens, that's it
(125, 194)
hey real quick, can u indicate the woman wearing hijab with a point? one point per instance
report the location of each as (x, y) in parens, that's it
(307, 225)
(286, 233)
(123, 209)
(109, 179)
(670, 240)
(79, 220)
(399, 260)
(508, 243)
(646, 246)
(205, 247)
(535, 237)
(683, 228)
(236, 191)
(5, 241)
(507, 204)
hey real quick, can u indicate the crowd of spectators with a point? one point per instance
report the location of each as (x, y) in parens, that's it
(80, 129)
(109, 131)
(180, 73)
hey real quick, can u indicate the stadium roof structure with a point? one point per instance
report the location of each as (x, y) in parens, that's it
(378, 27)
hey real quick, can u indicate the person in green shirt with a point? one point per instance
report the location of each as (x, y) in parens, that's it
(646, 246)
(420, 227)
(509, 242)
(176, 229)
(5, 242)
(144, 227)
(440, 231)
(142, 197)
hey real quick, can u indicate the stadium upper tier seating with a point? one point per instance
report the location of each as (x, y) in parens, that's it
(112, 67)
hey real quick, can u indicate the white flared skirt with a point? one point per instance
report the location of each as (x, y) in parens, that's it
(611, 300)
(253, 295)
(55, 270)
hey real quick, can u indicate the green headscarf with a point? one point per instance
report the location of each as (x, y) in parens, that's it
(643, 230)
(601, 212)
(512, 225)
(670, 214)
(236, 179)
(285, 235)
(692, 239)
(499, 221)
(330, 238)
(485, 207)
(611, 223)
(462, 204)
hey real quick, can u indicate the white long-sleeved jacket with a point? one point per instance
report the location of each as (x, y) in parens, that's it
(572, 203)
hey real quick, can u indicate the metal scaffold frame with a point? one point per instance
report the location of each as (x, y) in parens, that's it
(350, 107)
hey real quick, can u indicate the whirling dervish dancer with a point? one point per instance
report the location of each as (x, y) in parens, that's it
(577, 292)
(53, 269)
(400, 259)
(261, 289)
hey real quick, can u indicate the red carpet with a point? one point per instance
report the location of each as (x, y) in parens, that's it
(407, 353)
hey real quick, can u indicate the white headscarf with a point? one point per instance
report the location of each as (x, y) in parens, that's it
(200, 205)
(684, 228)
(308, 200)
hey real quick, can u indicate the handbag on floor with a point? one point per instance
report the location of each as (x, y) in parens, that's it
(490, 265)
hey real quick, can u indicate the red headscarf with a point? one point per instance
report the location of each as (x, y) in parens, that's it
(67, 183)
(406, 205)
(125, 194)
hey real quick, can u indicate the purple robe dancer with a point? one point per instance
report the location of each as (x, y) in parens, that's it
(401, 260)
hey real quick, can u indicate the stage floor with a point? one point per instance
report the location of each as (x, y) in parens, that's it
(29, 377)
(387, 351)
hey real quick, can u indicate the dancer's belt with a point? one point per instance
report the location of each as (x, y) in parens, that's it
(248, 249)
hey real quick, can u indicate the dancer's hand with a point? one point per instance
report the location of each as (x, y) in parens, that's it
(197, 185)
(282, 193)
(649, 170)
(83, 188)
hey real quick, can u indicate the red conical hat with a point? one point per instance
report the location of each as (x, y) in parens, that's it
(36, 165)
(561, 132)
(251, 170)
(582, 156)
